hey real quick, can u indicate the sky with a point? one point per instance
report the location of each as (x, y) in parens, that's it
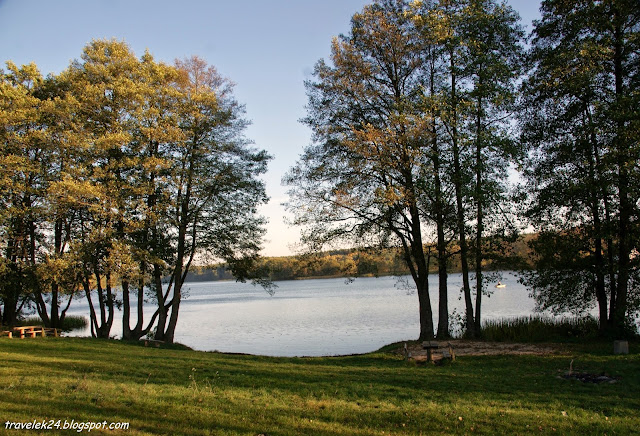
(267, 48)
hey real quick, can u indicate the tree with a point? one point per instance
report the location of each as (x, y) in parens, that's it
(58, 271)
(213, 185)
(104, 84)
(22, 183)
(154, 128)
(438, 202)
(582, 125)
(493, 41)
(40, 154)
(473, 49)
(360, 181)
(172, 177)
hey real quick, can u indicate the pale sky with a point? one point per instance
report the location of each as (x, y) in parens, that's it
(267, 48)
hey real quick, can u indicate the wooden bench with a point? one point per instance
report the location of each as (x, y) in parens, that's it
(153, 342)
(7, 333)
(431, 346)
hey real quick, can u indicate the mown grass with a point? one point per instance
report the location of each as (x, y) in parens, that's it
(171, 391)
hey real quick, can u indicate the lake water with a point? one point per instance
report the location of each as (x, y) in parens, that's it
(315, 317)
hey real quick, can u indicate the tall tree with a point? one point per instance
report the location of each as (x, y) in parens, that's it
(23, 142)
(474, 48)
(154, 128)
(58, 271)
(104, 83)
(213, 186)
(39, 151)
(493, 64)
(439, 204)
(173, 175)
(446, 18)
(583, 126)
(360, 181)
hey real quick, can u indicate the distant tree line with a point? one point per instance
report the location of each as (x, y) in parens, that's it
(426, 108)
(370, 262)
(115, 174)
(335, 263)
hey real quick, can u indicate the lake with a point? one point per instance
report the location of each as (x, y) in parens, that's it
(315, 317)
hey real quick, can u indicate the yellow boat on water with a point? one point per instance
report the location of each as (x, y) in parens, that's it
(501, 285)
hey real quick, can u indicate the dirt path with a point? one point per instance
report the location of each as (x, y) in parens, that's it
(480, 348)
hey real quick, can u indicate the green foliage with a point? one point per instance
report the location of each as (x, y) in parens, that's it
(339, 263)
(412, 110)
(580, 121)
(115, 173)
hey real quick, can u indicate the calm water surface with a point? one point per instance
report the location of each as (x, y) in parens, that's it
(315, 317)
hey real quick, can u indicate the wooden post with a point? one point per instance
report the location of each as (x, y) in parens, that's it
(620, 347)
(429, 346)
(453, 355)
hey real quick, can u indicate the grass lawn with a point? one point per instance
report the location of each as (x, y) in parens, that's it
(173, 391)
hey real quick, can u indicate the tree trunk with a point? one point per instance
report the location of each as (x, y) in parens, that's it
(443, 259)
(10, 309)
(417, 263)
(168, 335)
(443, 292)
(624, 233)
(127, 334)
(100, 327)
(480, 201)
(458, 182)
(426, 314)
(599, 267)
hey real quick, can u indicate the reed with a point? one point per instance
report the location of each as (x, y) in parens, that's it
(540, 328)
(69, 323)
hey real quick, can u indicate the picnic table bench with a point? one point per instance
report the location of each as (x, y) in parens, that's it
(430, 346)
(31, 331)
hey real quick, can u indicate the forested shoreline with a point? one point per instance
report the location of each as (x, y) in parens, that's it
(353, 263)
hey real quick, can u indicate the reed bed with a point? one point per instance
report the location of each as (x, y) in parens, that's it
(540, 329)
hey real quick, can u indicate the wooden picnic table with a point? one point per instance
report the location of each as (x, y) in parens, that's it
(32, 331)
(431, 346)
